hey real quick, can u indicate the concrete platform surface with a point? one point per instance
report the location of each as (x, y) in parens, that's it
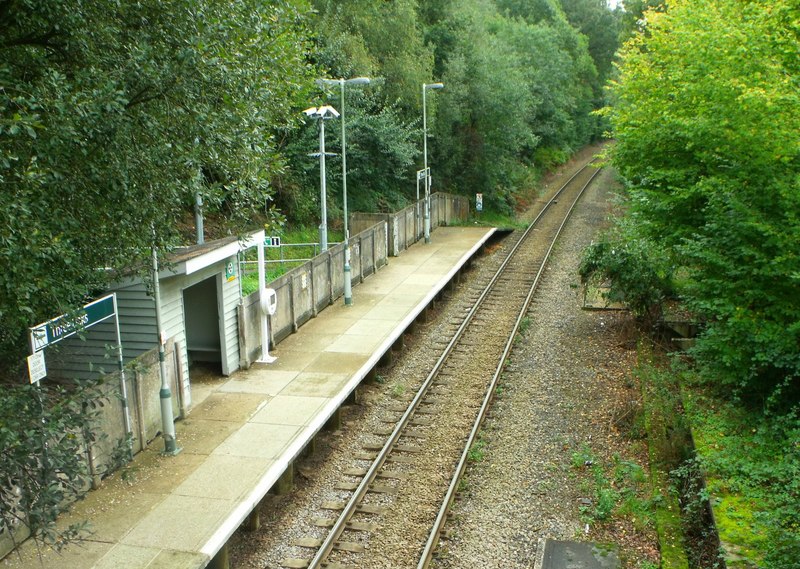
(178, 512)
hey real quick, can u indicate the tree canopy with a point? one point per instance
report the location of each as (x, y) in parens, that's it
(707, 115)
(112, 115)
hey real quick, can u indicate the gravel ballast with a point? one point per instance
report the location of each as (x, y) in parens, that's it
(567, 381)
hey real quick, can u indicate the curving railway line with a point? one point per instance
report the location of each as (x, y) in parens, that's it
(396, 495)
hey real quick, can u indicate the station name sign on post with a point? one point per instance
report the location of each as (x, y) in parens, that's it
(66, 325)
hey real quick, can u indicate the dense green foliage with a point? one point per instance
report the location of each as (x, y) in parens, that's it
(519, 93)
(43, 442)
(112, 115)
(752, 467)
(706, 116)
(639, 274)
(706, 113)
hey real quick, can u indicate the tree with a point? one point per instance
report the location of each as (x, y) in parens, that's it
(706, 118)
(112, 115)
(601, 26)
(44, 435)
(519, 95)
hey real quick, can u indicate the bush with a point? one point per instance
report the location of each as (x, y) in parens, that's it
(638, 274)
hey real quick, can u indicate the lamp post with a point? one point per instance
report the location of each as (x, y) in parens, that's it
(425, 87)
(322, 113)
(165, 393)
(348, 287)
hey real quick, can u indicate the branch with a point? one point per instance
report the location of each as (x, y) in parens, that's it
(42, 41)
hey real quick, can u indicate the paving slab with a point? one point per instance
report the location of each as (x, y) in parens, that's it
(177, 512)
(555, 554)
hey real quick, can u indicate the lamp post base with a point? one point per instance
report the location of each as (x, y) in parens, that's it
(348, 285)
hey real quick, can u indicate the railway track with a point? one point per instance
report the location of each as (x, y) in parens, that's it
(408, 477)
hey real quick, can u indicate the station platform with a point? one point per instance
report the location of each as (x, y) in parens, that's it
(241, 439)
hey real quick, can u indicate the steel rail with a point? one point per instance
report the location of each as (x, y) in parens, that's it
(341, 524)
(433, 538)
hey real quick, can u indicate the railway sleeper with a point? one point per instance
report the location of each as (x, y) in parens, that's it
(292, 563)
(374, 488)
(389, 474)
(337, 505)
(398, 448)
(351, 525)
(411, 433)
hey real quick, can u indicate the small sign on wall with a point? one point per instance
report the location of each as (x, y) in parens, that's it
(36, 366)
(230, 271)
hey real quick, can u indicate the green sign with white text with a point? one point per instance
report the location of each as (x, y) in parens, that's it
(64, 326)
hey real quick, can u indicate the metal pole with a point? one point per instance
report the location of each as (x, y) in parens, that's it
(425, 165)
(198, 217)
(348, 284)
(425, 87)
(262, 294)
(323, 226)
(126, 412)
(167, 421)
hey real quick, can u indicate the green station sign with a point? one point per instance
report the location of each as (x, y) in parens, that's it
(66, 325)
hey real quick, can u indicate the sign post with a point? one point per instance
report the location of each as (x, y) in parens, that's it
(66, 325)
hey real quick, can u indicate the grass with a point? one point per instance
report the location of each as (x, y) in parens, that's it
(618, 488)
(398, 390)
(478, 451)
(666, 450)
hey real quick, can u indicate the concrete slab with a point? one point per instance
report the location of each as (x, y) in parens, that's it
(181, 523)
(386, 311)
(236, 407)
(206, 480)
(307, 342)
(107, 524)
(362, 344)
(159, 476)
(372, 327)
(255, 380)
(319, 384)
(290, 410)
(554, 554)
(120, 555)
(258, 440)
(288, 360)
(177, 560)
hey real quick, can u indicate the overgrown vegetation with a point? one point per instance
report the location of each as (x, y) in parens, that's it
(706, 112)
(617, 488)
(752, 468)
(44, 437)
